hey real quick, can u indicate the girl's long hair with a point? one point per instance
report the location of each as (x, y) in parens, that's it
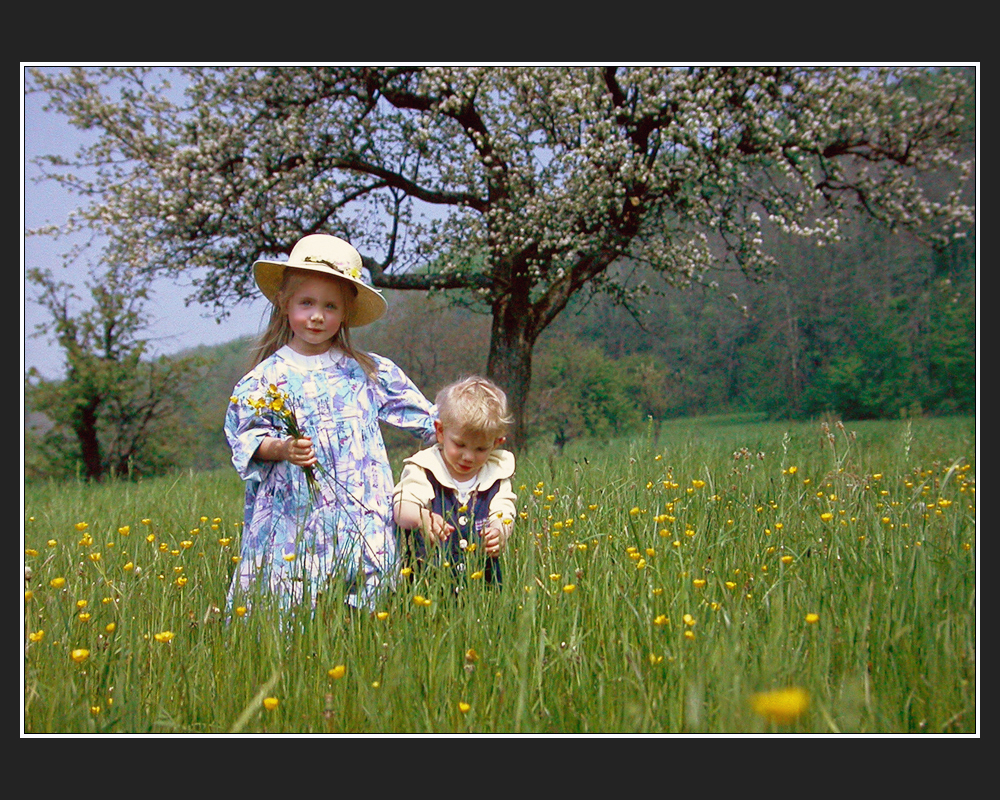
(278, 332)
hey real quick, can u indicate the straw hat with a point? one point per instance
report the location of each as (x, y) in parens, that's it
(326, 255)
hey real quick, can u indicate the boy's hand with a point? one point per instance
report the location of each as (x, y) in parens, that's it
(493, 539)
(496, 535)
(437, 530)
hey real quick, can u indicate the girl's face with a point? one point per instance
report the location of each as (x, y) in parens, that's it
(316, 310)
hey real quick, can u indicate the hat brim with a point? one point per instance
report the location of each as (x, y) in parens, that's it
(369, 304)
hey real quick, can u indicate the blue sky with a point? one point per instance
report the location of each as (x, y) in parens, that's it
(173, 327)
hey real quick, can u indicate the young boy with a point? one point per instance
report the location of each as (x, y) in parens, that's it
(456, 495)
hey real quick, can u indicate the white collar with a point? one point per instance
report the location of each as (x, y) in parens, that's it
(329, 358)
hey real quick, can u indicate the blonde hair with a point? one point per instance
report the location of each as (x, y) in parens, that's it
(474, 405)
(278, 332)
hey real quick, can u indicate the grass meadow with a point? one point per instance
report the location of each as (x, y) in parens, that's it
(708, 577)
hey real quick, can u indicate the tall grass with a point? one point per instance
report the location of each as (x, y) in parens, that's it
(656, 585)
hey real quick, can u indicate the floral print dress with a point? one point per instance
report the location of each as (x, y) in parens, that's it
(296, 536)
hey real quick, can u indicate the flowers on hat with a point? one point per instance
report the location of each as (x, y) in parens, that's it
(350, 271)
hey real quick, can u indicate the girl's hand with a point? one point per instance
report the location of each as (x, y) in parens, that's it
(300, 452)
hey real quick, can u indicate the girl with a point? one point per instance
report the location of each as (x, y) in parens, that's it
(304, 429)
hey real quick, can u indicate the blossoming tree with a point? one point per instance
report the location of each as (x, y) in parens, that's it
(516, 186)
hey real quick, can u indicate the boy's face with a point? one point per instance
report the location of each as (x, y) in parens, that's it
(464, 453)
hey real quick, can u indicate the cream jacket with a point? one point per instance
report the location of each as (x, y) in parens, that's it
(414, 487)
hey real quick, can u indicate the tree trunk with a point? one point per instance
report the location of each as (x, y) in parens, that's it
(509, 365)
(85, 428)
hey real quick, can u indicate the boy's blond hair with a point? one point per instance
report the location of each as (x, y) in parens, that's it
(474, 405)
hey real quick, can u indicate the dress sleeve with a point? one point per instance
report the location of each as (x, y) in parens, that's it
(245, 429)
(402, 404)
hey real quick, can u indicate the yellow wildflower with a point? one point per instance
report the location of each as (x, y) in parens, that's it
(164, 636)
(782, 706)
(79, 655)
(270, 703)
(464, 707)
(812, 618)
(337, 672)
(57, 583)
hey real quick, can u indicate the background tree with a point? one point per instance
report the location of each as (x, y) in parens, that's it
(112, 412)
(518, 187)
(581, 392)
